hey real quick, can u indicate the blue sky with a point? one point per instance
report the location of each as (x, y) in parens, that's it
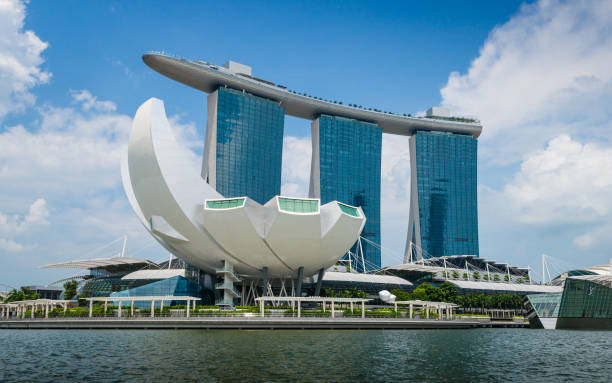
(538, 75)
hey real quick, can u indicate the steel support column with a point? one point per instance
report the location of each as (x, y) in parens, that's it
(300, 276)
(319, 283)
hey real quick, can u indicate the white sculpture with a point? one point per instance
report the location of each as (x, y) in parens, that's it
(386, 296)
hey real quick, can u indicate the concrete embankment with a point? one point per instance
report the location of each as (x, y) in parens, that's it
(237, 323)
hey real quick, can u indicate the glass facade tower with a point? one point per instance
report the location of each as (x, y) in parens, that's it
(244, 144)
(346, 157)
(443, 198)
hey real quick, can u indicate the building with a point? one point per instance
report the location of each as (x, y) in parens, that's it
(345, 166)
(127, 276)
(233, 238)
(470, 274)
(585, 301)
(443, 199)
(244, 143)
(371, 284)
(47, 292)
(346, 154)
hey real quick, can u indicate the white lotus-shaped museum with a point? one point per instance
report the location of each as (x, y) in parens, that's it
(196, 223)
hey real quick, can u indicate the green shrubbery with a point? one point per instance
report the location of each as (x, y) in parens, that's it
(447, 292)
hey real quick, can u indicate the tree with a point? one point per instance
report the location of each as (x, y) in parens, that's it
(485, 277)
(476, 275)
(455, 274)
(507, 278)
(401, 295)
(23, 294)
(329, 293)
(496, 277)
(83, 302)
(70, 289)
(466, 276)
(449, 292)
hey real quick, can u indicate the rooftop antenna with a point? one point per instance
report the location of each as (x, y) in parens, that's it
(123, 249)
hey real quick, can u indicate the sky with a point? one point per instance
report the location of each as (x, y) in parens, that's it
(537, 74)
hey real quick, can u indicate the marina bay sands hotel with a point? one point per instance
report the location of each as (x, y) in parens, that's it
(244, 142)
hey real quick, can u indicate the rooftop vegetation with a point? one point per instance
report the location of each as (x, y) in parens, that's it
(447, 292)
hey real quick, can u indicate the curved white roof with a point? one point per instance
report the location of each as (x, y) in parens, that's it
(155, 274)
(604, 280)
(365, 278)
(472, 285)
(601, 270)
(97, 263)
(208, 77)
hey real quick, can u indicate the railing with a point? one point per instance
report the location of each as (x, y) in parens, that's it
(228, 270)
(238, 314)
(228, 286)
(230, 315)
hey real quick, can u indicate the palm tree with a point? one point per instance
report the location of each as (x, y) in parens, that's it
(23, 294)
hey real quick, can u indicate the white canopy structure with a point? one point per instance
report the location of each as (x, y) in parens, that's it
(99, 263)
(334, 276)
(510, 287)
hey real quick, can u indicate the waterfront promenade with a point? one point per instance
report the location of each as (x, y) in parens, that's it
(248, 323)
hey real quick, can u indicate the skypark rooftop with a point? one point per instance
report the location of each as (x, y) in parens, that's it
(208, 77)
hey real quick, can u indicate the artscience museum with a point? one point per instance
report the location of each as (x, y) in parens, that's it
(283, 238)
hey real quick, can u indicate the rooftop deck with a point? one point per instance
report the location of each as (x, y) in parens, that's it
(208, 77)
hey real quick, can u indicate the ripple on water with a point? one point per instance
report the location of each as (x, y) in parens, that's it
(482, 355)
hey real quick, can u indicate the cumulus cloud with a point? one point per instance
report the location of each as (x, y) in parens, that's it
(15, 225)
(20, 59)
(88, 101)
(568, 183)
(542, 86)
(297, 153)
(10, 246)
(71, 156)
(546, 71)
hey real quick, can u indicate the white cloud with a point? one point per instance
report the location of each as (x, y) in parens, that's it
(297, 153)
(10, 246)
(88, 101)
(15, 225)
(542, 86)
(567, 182)
(71, 157)
(20, 59)
(546, 71)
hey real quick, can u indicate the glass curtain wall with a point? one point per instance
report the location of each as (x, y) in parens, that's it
(585, 299)
(347, 153)
(447, 195)
(249, 145)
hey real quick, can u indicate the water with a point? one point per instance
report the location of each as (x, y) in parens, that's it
(480, 355)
